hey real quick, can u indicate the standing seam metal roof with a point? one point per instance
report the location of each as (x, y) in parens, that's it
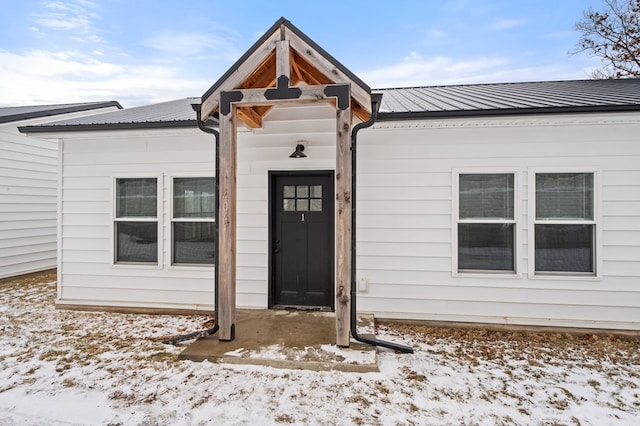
(177, 113)
(511, 96)
(406, 103)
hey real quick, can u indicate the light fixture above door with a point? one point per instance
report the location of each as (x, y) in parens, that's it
(298, 153)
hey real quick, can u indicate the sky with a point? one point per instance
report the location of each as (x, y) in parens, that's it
(140, 52)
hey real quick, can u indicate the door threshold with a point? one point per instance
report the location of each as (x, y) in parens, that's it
(303, 308)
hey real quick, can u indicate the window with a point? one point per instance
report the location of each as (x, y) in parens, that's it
(193, 220)
(136, 220)
(302, 198)
(486, 225)
(564, 224)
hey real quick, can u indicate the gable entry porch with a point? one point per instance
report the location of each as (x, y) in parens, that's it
(285, 68)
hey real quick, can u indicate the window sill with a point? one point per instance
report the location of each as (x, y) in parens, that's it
(136, 265)
(565, 277)
(191, 267)
(492, 275)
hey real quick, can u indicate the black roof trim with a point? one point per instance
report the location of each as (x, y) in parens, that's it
(265, 36)
(109, 126)
(417, 115)
(57, 111)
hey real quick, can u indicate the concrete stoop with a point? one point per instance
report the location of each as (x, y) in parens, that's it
(288, 339)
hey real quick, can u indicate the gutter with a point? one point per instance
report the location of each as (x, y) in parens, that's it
(420, 115)
(213, 330)
(54, 110)
(49, 128)
(376, 98)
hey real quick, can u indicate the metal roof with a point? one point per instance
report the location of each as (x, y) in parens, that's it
(178, 113)
(512, 98)
(19, 113)
(407, 103)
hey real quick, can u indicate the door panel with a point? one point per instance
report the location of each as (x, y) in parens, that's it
(302, 227)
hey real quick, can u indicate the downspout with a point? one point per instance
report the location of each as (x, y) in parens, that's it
(375, 105)
(208, 332)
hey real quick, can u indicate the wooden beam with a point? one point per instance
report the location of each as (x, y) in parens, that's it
(310, 74)
(360, 112)
(343, 226)
(227, 226)
(327, 68)
(250, 117)
(238, 76)
(296, 69)
(283, 60)
(264, 75)
(308, 94)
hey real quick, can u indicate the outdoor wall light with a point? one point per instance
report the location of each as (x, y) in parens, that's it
(298, 152)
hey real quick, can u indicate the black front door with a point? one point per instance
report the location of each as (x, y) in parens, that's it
(301, 237)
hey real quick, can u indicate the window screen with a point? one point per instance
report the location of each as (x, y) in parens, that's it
(136, 220)
(564, 223)
(193, 221)
(486, 222)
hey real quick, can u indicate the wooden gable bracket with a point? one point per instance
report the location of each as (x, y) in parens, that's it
(284, 51)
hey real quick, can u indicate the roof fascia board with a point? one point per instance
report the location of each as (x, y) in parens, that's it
(242, 68)
(109, 126)
(402, 116)
(59, 111)
(324, 54)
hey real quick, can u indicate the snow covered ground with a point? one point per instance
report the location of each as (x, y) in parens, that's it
(68, 368)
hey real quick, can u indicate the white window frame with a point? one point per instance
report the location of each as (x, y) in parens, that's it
(516, 222)
(172, 220)
(157, 219)
(596, 222)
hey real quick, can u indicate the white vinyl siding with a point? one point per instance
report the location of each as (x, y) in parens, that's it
(28, 197)
(404, 215)
(27, 203)
(405, 204)
(88, 275)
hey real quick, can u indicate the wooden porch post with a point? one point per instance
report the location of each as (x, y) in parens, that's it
(343, 231)
(227, 227)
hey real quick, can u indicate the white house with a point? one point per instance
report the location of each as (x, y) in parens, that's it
(28, 181)
(512, 203)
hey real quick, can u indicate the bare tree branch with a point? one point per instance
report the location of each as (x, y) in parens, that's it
(613, 35)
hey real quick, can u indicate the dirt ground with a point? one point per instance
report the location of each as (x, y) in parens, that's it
(456, 376)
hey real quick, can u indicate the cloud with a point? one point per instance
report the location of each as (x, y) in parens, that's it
(436, 33)
(80, 65)
(416, 70)
(41, 77)
(504, 24)
(75, 17)
(192, 44)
